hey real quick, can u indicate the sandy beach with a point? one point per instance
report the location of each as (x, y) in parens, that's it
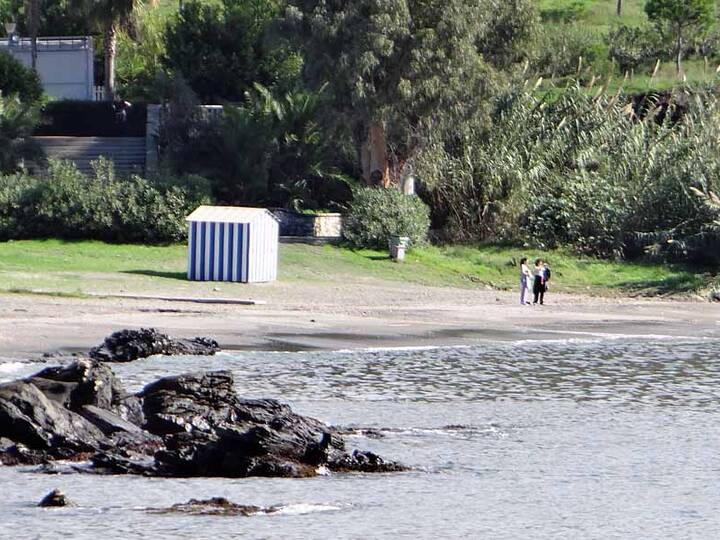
(334, 315)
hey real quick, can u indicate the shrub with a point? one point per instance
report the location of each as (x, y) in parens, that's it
(17, 120)
(377, 214)
(16, 79)
(558, 49)
(68, 204)
(17, 194)
(633, 47)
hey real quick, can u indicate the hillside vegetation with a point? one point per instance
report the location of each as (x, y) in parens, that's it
(590, 42)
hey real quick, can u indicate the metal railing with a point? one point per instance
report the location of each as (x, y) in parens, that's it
(49, 43)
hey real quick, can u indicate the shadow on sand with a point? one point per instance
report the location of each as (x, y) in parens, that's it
(154, 273)
(671, 285)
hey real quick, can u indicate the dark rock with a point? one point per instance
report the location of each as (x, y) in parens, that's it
(106, 421)
(69, 412)
(115, 464)
(217, 506)
(363, 462)
(55, 498)
(84, 382)
(12, 454)
(129, 345)
(181, 426)
(210, 431)
(28, 417)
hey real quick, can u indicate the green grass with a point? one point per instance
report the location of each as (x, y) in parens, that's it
(77, 268)
(600, 14)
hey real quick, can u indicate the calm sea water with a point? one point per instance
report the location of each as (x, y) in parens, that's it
(568, 439)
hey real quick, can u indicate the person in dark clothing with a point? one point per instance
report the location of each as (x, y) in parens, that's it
(539, 282)
(121, 109)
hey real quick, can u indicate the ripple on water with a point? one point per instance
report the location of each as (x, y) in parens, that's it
(563, 439)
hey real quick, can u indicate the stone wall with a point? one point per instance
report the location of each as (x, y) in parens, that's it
(322, 225)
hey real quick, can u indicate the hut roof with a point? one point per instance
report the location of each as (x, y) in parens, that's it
(228, 214)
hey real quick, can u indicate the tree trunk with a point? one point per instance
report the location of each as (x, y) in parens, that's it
(110, 52)
(374, 156)
(34, 25)
(619, 8)
(678, 55)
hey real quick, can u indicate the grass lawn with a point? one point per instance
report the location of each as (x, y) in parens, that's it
(77, 268)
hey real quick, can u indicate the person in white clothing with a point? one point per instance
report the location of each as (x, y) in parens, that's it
(525, 280)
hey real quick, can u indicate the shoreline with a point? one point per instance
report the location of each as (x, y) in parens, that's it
(361, 316)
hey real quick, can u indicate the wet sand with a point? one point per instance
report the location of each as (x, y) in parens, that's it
(332, 316)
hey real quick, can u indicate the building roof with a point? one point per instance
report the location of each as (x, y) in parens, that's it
(228, 214)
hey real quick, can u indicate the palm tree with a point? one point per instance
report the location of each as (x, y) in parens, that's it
(110, 16)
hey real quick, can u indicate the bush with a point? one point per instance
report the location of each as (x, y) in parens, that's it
(68, 204)
(558, 49)
(633, 47)
(17, 120)
(16, 79)
(377, 214)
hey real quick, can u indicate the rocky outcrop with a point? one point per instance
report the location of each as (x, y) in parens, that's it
(187, 425)
(54, 499)
(129, 345)
(217, 506)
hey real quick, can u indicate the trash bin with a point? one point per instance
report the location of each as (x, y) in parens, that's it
(398, 245)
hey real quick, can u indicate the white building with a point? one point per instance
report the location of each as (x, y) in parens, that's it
(64, 64)
(232, 243)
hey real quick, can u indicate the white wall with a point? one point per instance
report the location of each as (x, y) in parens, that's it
(65, 66)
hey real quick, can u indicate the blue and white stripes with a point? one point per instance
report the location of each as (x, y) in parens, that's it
(232, 244)
(218, 251)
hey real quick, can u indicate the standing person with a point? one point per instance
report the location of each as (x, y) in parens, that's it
(546, 276)
(539, 282)
(525, 279)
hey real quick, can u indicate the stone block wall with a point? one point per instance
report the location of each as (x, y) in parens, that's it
(322, 225)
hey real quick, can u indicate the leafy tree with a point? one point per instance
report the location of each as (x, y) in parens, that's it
(140, 52)
(6, 13)
(16, 79)
(55, 18)
(223, 48)
(398, 69)
(506, 30)
(680, 18)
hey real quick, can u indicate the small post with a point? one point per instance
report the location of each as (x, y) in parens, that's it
(398, 245)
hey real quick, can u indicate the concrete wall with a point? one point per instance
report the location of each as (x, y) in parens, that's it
(65, 65)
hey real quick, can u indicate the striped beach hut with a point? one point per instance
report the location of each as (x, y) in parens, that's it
(232, 243)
